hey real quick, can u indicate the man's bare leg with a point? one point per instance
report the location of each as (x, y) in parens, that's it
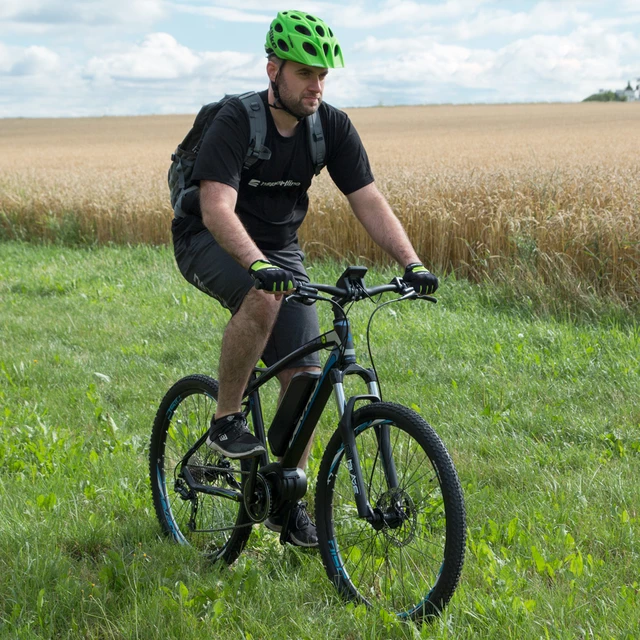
(242, 345)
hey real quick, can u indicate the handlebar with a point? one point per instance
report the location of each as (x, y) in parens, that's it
(357, 291)
(353, 289)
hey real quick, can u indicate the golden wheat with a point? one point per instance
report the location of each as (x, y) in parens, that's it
(550, 188)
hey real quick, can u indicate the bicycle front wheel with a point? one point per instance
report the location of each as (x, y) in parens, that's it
(411, 564)
(216, 524)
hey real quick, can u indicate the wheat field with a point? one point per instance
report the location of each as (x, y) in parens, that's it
(543, 191)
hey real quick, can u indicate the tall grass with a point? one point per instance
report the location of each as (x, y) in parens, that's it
(563, 228)
(530, 195)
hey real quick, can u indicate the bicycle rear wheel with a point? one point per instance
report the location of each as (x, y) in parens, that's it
(412, 564)
(216, 525)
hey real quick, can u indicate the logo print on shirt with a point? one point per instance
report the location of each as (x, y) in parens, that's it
(278, 183)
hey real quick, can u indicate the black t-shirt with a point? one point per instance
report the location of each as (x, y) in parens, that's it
(272, 195)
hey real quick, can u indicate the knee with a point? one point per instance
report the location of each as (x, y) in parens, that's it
(261, 307)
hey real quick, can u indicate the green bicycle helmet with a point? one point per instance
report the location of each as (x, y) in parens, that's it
(303, 38)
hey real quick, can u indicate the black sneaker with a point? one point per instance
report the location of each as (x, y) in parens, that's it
(231, 437)
(302, 532)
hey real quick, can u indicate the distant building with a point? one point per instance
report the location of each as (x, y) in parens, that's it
(631, 94)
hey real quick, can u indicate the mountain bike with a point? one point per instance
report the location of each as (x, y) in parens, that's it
(389, 508)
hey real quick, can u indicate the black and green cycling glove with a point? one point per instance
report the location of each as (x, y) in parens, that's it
(420, 278)
(271, 278)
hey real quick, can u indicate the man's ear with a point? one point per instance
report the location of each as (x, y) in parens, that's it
(272, 69)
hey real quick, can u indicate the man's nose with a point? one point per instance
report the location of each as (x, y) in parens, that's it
(316, 85)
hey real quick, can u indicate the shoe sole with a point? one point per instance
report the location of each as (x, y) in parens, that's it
(299, 543)
(292, 539)
(273, 527)
(256, 451)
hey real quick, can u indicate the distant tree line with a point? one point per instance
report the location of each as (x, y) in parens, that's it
(605, 96)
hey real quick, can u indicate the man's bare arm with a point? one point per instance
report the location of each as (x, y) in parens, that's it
(376, 216)
(218, 203)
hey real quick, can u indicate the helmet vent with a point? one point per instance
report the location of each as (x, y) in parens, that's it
(309, 48)
(283, 45)
(320, 31)
(278, 27)
(295, 17)
(305, 31)
(330, 33)
(336, 51)
(312, 18)
(325, 48)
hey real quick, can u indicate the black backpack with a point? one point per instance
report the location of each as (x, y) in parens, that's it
(184, 157)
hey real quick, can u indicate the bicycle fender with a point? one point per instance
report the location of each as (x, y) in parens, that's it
(346, 421)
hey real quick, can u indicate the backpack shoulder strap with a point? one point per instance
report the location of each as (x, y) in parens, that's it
(258, 128)
(316, 141)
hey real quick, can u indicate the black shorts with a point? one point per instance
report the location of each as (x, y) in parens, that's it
(207, 266)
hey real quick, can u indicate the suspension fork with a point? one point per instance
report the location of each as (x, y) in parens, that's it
(353, 463)
(381, 430)
(383, 436)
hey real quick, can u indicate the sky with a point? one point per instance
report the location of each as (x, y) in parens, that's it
(68, 58)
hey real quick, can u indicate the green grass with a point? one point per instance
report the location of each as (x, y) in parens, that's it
(540, 413)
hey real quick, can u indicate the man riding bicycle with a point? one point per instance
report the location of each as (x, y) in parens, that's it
(243, 230)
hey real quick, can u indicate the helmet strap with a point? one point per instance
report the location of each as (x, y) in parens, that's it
(278, 104)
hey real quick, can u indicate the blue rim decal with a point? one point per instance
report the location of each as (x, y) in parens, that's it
(406, 614)
(166, 509)
(173, 406)
(337, 560)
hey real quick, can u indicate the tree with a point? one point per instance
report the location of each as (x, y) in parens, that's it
(605, 96)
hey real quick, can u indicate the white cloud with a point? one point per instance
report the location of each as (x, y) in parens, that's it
(539, 67)
(93, 12)
(222, 13)
(157, 75)
(545, 17)
(10, 9)
(358, 15)
(361, 15)
(28, 61)
(160, 57)
(92, 57)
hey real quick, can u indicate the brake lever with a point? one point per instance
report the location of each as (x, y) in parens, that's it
(306, 295)
(305, 299)
(411, 292)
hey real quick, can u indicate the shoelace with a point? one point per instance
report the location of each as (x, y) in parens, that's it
(302, 517)
(237, 428)
(234, 427)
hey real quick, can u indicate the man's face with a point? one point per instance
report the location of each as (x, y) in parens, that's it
(301, 87)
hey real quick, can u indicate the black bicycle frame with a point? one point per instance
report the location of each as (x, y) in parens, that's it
(340, 363)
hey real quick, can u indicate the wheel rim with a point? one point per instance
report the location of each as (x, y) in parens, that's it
(397, 566)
